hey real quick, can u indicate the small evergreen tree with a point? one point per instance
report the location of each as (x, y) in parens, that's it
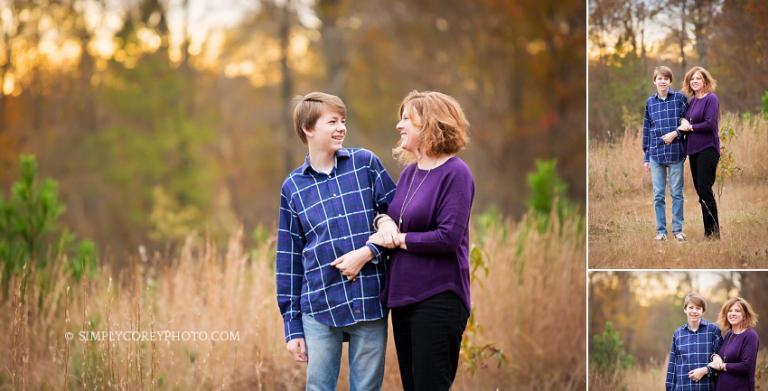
(548, 194)
(607, 353)
(765, 103)
(30, 236)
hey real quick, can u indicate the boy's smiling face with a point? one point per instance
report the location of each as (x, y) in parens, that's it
(328, 133)
(693, 312)
(662, 84)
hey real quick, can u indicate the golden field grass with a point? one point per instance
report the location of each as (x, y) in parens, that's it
(530, 305)
(621, 215)
(652, 377)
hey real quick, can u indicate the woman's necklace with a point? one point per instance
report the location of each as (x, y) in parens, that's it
(407, 193)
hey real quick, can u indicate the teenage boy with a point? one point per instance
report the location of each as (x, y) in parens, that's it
(328, 279)
(663, 151)
(693, 346)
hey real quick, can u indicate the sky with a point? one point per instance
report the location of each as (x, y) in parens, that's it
(650, 289)
(656, 29)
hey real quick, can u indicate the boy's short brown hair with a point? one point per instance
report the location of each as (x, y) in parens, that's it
(663, 71)
(695, 299)
(308, 108)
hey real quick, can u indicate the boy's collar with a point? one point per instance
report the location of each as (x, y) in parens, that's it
(341, 153)
(702, 323)
(670, 93)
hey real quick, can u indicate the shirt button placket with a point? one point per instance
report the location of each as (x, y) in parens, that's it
(337, 201)
(336, 211)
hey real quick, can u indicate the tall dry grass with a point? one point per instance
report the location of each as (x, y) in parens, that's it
(637, 378)
(530, 305)
(621, 215)
(653, 375)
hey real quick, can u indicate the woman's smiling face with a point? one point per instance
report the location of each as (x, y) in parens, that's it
(697, 82)
(735, 315)
(410, 134)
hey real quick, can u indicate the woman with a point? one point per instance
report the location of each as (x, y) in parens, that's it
(703, 142)
(427, 285)
(738, 355)
(692, 346)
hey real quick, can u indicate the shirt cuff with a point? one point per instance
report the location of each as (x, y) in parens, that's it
(376, 252)
(294, 328)
(377, 220)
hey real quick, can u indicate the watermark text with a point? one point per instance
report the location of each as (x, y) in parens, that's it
(153, 336)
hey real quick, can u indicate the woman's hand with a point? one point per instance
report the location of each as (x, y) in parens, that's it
(685, 126)
(394, 241)
(669, 137)
(717, 363)
(387, 234)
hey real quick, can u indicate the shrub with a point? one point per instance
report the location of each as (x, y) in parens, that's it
(607, 353)
(548, 195)
(765, 103)
(30, 236)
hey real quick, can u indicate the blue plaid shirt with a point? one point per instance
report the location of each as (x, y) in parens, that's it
(662, 117)
(322, 217)
(691, 350)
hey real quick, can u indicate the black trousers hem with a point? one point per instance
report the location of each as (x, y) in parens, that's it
(428, 340)
(703, 171)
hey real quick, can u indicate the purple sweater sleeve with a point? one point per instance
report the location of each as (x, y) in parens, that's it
(747, 356)
(455, 202)
(711, 114)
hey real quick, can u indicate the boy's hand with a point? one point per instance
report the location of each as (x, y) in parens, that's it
(298, 349)
(697, 374)
(669, 137)
(352, 262)
(647, 166)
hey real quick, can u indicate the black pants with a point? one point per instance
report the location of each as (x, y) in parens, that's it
(428, 338)
(703, 169)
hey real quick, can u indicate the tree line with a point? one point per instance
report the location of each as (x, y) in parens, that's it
(154, 126)
(628, 39)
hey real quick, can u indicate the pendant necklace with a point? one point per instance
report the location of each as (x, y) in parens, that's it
(407, 193)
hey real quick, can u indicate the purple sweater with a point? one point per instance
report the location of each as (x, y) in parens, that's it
(739, 352)
(703, 114)
(436, 223)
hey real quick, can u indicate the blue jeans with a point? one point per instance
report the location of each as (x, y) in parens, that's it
(367, 348)
(659, 179)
